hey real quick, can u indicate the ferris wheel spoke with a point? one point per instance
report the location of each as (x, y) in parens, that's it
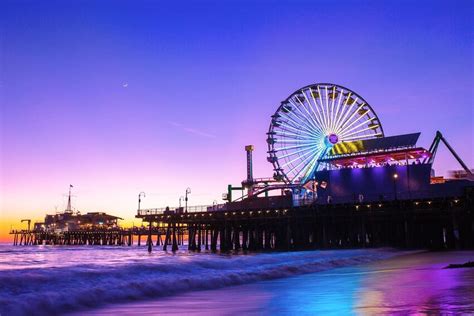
(334, 102)
(293, 147)
(295, 141)
(298, 130)
(336, 112)
(321, 105)
(282, 137)
(339, 112)
(327, 107)
(306, 161)
(296, 168)
(301, 132)
(293, 153)
(311, 112)
(319, 116)
(345, 121)
(341, 105)
(296, 127)
(311, 123)
(292, 136)
(314, 164)
(297, 158)
(331, 114)
(348, 139)
(361, 115)
(359, 131)
(346, 109)
(297, 120)
(346, 129)
(287, 144)
(323, 108)
(297, 133)
(345, 113)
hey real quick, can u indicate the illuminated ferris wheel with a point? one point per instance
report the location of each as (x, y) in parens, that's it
(310, 122)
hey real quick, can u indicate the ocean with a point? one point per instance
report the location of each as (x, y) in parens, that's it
(82, 280)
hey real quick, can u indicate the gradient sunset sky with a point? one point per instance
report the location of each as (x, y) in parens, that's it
(118, 97)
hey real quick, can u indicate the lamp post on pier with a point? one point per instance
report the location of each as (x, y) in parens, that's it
(140, 199)
(188, 191)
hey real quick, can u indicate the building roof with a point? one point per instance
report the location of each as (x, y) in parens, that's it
(79, 216)
(378, 157)
(101, 215)
(383, 144)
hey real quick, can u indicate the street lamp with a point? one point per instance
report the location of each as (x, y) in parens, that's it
(139, 199)
(188, 191)
(395, 178)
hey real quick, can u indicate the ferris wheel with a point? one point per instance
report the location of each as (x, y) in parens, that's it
(310, 122)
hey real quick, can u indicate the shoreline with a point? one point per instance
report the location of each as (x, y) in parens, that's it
(144, 278)
(379, 287)
(70, 288)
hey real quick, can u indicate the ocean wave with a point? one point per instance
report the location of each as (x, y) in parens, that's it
(57, 290)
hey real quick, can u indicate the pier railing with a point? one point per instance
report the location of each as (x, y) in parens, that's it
(179, 210)
(386, 197)
(284, 202)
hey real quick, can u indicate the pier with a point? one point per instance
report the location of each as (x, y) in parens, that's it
(439, 223)
(91, 237)
(443, 223)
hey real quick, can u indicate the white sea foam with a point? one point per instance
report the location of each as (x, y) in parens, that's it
(59, 280)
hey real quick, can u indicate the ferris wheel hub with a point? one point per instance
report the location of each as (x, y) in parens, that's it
(333, 139)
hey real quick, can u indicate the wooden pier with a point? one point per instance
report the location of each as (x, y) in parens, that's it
(96, 237)
(444, 223)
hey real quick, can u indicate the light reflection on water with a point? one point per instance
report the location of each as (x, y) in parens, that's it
(53, 280)
(410, 284)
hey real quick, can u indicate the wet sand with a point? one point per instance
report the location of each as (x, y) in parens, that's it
(408, 284)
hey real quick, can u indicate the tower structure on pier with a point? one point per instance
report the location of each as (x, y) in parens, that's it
(249, 181)
(69, 206)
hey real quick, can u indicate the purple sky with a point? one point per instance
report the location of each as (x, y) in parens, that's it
(120, 97)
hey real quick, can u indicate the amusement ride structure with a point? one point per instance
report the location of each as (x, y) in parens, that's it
(321, 133)
(310, 122)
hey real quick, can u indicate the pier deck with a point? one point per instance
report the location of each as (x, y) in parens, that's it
(446, 223)
(95, 237)
(442, 223)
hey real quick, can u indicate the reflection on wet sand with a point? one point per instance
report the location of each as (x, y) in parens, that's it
(409, 284)
(418, 284)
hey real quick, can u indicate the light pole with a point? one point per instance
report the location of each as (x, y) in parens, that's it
(188, 191)
(140, 199)
(395, 178)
